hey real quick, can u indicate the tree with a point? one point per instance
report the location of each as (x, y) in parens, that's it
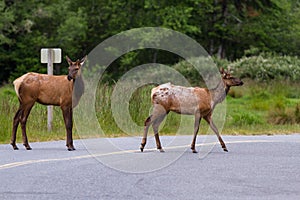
(224, 28)
(226, 21)
(6, 29)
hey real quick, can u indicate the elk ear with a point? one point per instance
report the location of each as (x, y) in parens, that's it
(69, 60)
(82, 61)
(221, 70)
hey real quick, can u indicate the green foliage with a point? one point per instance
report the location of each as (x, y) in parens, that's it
(242, 119)
(265, 67)
(139, 109)
(6, 26)
(37, 121)
(224, 28)
(73, 31)
(280, 116)
(240, 31)
(103, 110)
(297, 114)
(189, 72)
(256, 111)
(197, 70)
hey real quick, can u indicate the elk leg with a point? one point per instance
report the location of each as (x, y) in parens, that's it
(155, 121)
(158, 111)
(67, 114)
(214, 128)
(196, 129)
(147, 123)
(23, 121)
(15, 128)
(155, 126)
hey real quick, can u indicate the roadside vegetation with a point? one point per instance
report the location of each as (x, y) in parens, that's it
(267, 103)
(226, 29)
(257, 40)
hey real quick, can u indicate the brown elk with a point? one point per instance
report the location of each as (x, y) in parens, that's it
(196, 101)
(48, 90)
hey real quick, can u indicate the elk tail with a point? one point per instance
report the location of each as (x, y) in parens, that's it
(17, 83)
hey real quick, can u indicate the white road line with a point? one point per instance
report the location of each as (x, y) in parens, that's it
(28, 162)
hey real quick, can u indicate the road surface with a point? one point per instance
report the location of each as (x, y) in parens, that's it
(256, 167)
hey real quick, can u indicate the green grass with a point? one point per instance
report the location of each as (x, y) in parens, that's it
(253, 109)
(261, 107)
(37, 121)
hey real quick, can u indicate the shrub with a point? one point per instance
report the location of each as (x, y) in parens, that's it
(234, 93)
(263, 67)
(266, 66)
(281, 115)
(241, 119)
(198, 69)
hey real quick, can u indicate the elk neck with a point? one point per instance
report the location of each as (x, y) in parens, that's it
(78, 87)
(219, 93)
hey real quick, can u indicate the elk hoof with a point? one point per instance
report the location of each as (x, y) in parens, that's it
(15, 147)
(27, 147)
(225, 149)
(142, 147)
(161, 150)
(70, 147)
(194, 151)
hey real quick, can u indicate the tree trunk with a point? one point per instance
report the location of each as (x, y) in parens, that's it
(222, 46)
(214, 19)
(154, 58)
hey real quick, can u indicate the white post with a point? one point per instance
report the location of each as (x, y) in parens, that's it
(50, 72)
(50, 56)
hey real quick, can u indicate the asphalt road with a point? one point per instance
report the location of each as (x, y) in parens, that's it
(256, 167)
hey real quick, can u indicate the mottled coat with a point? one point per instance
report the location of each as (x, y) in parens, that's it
(196, 101)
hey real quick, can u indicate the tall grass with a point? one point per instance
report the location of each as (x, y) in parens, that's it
(139, 109)
(254, 108)
(268, 103)
(264, 108)
(37, 120)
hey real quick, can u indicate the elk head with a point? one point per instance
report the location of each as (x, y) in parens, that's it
(74, 67)
(230, 80)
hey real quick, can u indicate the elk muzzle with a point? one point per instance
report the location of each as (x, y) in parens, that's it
(70, 78)
(237, 82)
(240, 83)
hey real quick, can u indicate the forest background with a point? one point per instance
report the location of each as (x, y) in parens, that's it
(258, 39)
